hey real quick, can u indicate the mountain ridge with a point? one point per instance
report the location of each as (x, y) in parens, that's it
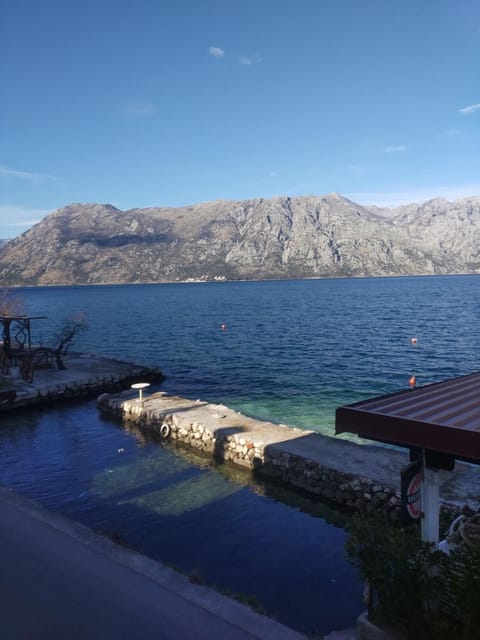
(282, 237)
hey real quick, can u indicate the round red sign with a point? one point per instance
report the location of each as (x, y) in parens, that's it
(414, 497)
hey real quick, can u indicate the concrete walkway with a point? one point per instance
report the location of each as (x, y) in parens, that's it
(85, 374)
(60, 580)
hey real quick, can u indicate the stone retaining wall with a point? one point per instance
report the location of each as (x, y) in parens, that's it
(344, 489)
(85, 387)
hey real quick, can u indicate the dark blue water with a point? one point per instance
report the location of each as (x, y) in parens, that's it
(292, 352)
(213, 523)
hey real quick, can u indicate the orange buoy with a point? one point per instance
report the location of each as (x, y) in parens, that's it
(412, 382)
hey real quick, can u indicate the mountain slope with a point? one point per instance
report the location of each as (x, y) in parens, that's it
(302, 237)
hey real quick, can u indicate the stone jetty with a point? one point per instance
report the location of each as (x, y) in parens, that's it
(354, 476)
(84, 375)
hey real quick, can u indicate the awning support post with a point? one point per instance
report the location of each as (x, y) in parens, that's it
(431, 505)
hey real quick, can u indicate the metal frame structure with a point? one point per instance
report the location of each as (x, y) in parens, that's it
(17, 344)
(438, 423)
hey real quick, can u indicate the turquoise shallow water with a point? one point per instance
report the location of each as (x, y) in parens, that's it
(291, 353)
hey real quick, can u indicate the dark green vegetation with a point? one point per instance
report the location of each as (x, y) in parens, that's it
(415, 588)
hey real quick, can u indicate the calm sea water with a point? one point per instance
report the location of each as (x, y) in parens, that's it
(291, 353)
(293, 350)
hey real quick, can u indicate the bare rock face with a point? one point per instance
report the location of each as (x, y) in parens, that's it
(301, 237)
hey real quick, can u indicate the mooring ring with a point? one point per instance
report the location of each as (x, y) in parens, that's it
(165, 430)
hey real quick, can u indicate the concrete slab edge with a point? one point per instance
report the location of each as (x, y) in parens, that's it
(366, 630)
(228, 609)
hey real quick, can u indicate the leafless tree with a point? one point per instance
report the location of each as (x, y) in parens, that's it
(73, 326)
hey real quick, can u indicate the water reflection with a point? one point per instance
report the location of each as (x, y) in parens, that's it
(241, 534)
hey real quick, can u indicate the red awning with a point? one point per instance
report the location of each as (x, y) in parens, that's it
(443, 417)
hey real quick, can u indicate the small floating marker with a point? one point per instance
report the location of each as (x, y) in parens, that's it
(412, 382)
(140, 386)
(223, 327)
(413, 340)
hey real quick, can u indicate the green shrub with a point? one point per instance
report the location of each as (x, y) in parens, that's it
(414, 588)
(460, 595)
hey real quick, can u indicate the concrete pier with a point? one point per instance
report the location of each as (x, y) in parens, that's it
(355, 476)
(84, 375)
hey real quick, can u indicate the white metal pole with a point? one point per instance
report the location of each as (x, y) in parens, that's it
(430, 505)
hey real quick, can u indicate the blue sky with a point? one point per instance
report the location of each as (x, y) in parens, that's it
(171, 102)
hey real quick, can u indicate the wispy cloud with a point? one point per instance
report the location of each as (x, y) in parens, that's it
(140, 108)
(250, 60)
(395, 148)
(470, 109)
(269, 177)
(7, 173)
(452, 132)
(406, 196)
(355, 169)
(216, 52)
(15, 219)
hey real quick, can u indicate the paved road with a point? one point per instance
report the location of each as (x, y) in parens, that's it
(59, 580)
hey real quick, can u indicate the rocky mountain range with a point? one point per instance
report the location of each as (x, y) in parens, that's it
(283, 237)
